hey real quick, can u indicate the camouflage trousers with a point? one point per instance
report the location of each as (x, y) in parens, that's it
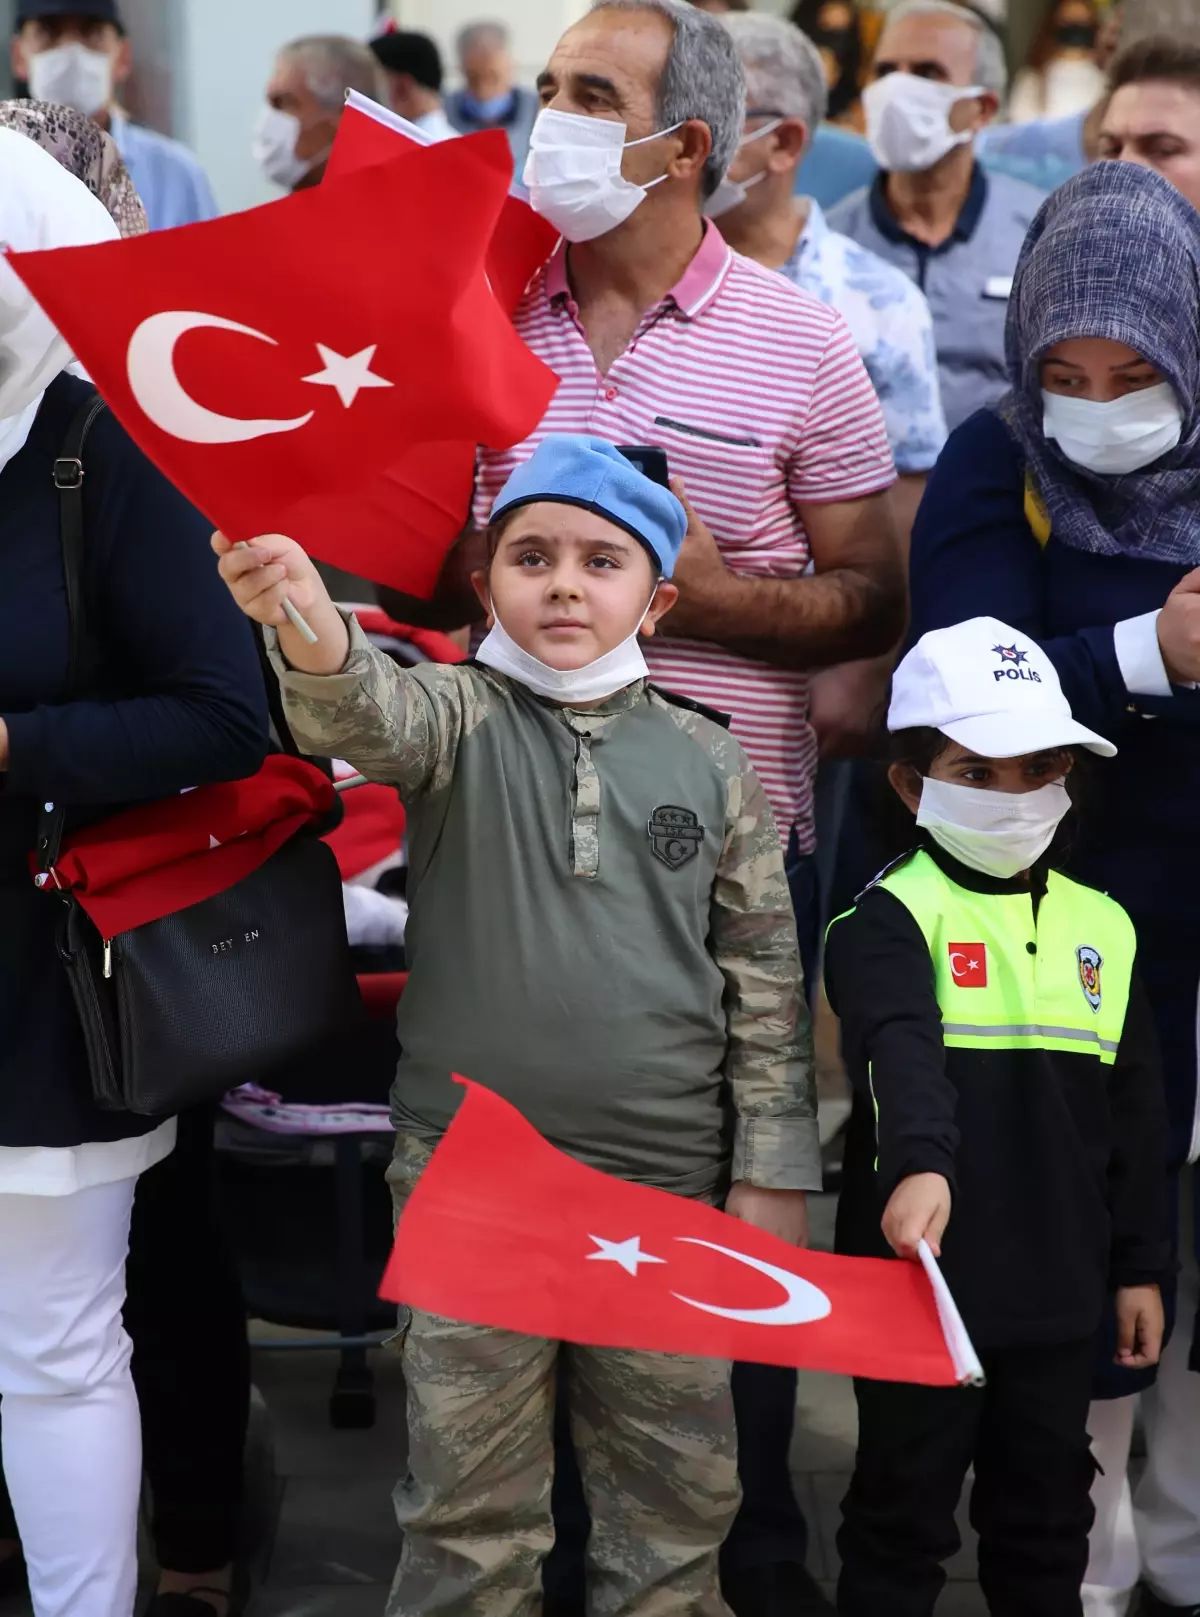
(656, 1444)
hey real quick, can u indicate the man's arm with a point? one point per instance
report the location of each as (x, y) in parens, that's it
(769, 1064)
(848, 703)
(851, 606)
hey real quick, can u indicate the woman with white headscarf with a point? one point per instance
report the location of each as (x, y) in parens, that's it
(176, 700)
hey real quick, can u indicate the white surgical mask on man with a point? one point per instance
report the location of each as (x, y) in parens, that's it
(1116, 435)
(731, 194)
(908, 121)
(602, 677)
(573, 173)
(998, 833)
(275, 137)
(73, 75)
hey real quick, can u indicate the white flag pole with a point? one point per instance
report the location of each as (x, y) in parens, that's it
(962, 1352)
(410, 131)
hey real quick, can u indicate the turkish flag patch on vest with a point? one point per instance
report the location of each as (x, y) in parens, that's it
(968, 964)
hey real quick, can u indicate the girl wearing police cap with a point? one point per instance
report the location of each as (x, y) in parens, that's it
(993, 1020)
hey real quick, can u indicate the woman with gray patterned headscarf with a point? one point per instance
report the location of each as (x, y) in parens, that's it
(84, 150)
(1072, 511)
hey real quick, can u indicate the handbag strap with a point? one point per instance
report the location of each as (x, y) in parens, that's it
(68, 480)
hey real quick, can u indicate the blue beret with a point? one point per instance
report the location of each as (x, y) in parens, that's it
(571, 469)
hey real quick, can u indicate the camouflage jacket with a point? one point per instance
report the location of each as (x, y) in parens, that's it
(600, 927)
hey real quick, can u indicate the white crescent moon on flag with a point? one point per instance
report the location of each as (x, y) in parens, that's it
(151, 366)
(955, 957)
(803, 1305)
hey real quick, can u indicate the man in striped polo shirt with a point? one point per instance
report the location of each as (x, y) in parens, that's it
(662, 336)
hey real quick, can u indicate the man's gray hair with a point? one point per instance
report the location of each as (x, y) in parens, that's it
(486, 35)
(991, 70)
(783, 68)
(703, 79)
(333, 64)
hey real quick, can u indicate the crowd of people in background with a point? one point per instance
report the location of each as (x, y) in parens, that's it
(920, 339)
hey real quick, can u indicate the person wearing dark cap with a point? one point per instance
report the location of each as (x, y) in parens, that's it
(76, 52)
(412, 64)
(630, 980)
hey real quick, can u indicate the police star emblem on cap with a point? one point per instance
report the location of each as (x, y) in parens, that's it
(1011, 654)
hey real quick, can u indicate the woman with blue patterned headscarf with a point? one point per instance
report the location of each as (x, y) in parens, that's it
(1072, 511)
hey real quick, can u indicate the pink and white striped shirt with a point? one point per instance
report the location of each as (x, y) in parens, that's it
(757, 394)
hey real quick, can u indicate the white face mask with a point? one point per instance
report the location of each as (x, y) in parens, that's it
(1119, 435)
(621, 666)
(275, 137)
(908, 121)
(731, 194)
(573, 173)
(73, 76)
(998, 833)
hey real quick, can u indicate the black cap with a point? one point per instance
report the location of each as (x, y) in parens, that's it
(101, 10)
(414, 54)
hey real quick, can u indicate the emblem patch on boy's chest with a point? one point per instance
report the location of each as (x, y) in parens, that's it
(1090, 963)
(676, 835)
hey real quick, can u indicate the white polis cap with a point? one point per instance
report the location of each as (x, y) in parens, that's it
(990, 689)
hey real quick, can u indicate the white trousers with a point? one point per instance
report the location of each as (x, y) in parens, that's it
(72, 1439)
(1154, 1532)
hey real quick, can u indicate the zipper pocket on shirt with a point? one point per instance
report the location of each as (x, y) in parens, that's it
(703, 432)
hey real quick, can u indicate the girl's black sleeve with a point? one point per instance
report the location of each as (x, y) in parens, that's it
(879, 979)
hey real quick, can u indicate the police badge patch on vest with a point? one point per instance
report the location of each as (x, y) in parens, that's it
(1089, 973)
(675, 835)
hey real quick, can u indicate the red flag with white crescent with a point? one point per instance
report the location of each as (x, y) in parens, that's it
(161, 857)
(504, 1230)
(275, 363)
(523, 240)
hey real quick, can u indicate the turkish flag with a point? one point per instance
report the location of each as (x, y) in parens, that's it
(272, 362)
(504, 1230)
(161, 857)
(426, 495)
(369, 134)
(968, 964)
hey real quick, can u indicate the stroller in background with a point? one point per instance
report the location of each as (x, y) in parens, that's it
(301, 1159)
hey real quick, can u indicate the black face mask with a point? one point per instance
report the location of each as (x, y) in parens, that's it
(1076, 35)
(833, 39)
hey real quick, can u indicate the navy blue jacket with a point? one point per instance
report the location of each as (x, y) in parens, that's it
(180, 701)
(973, 554)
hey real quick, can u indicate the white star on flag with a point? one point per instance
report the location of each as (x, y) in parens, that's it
(627, 1253)
(348, 373)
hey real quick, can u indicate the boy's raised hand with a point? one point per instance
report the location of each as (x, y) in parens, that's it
(779, 1212)
(1139, 1327)
(261, 574)
(919, 1208)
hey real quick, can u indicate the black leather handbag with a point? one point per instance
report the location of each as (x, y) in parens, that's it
(180, 1010)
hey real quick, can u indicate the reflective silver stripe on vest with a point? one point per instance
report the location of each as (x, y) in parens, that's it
(1078, 1035)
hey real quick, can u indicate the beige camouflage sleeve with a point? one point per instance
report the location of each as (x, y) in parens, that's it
(393, 724)
(770, 1061)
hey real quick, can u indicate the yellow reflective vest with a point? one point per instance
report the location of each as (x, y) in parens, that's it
(1002, 983)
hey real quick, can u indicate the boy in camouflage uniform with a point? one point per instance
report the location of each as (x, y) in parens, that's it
(600, 930)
